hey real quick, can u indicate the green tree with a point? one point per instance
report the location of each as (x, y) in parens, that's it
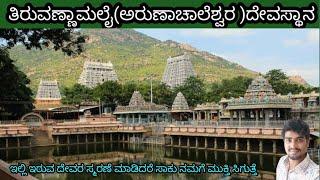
(127, 90)
(310, 89)
(228, 88)
(276, 75)
(109, 93)
(144, 87)
(214, 93)
(68, 41)
(280, 82)
(15, 95)
(77, 94)
(193, 90)
(162, 94)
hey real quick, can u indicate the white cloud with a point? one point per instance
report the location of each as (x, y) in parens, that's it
(217, 33)
(312, 37)
(292, 42)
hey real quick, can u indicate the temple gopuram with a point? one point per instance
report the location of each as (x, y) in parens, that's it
(180, 109)
(260, 103)
(178, 70)
(139, 112)
(95, 73)
(48, 95)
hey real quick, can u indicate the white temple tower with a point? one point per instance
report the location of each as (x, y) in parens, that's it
(178, 69)
(48, 93)
(95, 73)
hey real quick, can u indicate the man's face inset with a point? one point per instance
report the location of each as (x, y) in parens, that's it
(296, 146)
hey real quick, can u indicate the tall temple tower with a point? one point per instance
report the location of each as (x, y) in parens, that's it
(48, 93)
(96, 72)
(178, 69)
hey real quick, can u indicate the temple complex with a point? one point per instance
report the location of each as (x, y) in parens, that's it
(177, 70)
(206, 111)
(48, 102)
(305, 106)
(95, 73)
(139, 112)
(48, 95)
(180, 109)
(260, 103)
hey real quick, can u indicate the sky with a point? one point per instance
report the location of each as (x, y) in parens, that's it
(295, 51)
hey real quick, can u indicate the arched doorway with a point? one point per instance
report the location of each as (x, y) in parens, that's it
(32, 119)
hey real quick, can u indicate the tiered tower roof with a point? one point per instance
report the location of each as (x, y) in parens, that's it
(259, 87)
(95, 73)
(177, 70)
(138, 105)
(260, 94)
(136, 99)
(48, 90)
(180, 104)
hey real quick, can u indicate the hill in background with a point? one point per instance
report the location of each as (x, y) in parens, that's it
(298, 80)
(133, 54)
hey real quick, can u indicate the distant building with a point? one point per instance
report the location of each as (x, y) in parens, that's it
(48, 99)
(260, 103)
(95, 73)
(48, 94)
(140, 112)
(177, 70)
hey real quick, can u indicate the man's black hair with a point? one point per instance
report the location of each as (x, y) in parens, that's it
(298, 126)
